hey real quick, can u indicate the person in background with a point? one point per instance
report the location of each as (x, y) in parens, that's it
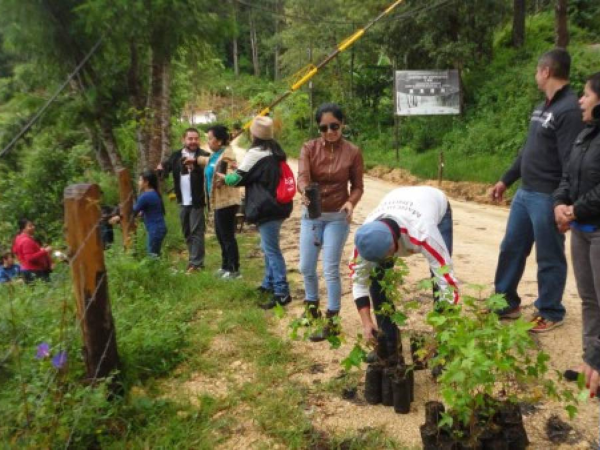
(9, 269)
(107, 234)
(188, 181)
(577, 206)
(336, 165)
(150, 207)
(224, 200)
(554, 126)
(259, 172)
(36, 263)
(409, 220)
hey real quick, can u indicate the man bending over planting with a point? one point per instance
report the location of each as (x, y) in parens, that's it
(408, 220)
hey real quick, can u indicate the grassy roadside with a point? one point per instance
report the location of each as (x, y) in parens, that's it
(202, 365)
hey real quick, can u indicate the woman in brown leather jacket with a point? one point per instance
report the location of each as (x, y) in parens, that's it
(336, 166)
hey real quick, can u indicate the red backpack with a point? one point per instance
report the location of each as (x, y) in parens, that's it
(286, 188)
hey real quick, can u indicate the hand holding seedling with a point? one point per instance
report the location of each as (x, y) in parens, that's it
(370, 330)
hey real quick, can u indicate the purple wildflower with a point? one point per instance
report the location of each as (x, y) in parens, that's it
(59, 360)
(43, 351)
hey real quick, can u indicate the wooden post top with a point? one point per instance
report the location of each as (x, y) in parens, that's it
(78, 191)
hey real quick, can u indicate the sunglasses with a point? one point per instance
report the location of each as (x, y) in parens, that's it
(331, 126)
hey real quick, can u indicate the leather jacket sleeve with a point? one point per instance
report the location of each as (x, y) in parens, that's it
(356, 179)
(304, 166)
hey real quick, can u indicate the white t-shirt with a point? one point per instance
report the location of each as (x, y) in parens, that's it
(417, 210)
(185, 183)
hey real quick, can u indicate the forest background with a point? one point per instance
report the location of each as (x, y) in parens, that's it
(153, 61)
(151, 64)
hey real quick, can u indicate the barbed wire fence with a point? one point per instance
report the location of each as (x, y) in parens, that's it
(82, 225)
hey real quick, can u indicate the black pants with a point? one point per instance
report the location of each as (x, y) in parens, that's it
(389, 334)
(29, 276)
(225, 230)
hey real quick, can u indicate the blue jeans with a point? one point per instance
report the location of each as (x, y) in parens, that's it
(445, 228)
(531, 220)
(155, 240)
(328, 232)
(275, 271)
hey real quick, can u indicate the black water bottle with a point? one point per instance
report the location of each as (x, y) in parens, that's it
(185, 170)
(313, 195)
(222, 167)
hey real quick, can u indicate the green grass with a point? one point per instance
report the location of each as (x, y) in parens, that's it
(167, 326)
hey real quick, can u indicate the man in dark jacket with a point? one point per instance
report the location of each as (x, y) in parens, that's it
(188, 180)
(554, 125)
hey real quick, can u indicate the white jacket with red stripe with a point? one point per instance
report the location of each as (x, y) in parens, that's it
(417, 210)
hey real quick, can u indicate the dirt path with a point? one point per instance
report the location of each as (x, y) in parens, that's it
(478, 231)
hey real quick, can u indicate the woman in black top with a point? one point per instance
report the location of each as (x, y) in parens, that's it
(577, 207)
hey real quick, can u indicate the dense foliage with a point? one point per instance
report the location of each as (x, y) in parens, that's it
(156, 59)
(160, 58)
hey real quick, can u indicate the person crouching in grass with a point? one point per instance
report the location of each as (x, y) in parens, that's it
(9, 269)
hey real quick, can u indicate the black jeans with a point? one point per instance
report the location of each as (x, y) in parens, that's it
(225, 230)
(29, 276)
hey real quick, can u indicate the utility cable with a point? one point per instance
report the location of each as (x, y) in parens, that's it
(51, 100)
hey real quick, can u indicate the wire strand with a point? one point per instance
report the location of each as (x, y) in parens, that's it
(51, 100)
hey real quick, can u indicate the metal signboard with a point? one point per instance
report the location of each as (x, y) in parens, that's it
(427, 92)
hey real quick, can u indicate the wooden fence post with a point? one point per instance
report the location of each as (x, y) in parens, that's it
(126, 206)
(90, 283)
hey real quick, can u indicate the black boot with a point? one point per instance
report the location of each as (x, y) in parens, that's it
(275, 300)
(330, 328)
(311, 311)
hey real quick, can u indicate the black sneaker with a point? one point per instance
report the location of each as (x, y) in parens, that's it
(264, 291)
(330, 328)
(311, 311)
(277, 300)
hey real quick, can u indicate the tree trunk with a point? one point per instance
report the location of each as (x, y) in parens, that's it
(110, 143)
(352, 56)
(561, 24)
(139, 100)
(277, 46)
(156, 107)
(518, 29)
(99, 151)
(236, 63)
(254, 46)
(311, 98)
(165, 112)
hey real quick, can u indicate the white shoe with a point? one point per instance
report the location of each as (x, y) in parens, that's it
(231, 275)
(219, 273)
